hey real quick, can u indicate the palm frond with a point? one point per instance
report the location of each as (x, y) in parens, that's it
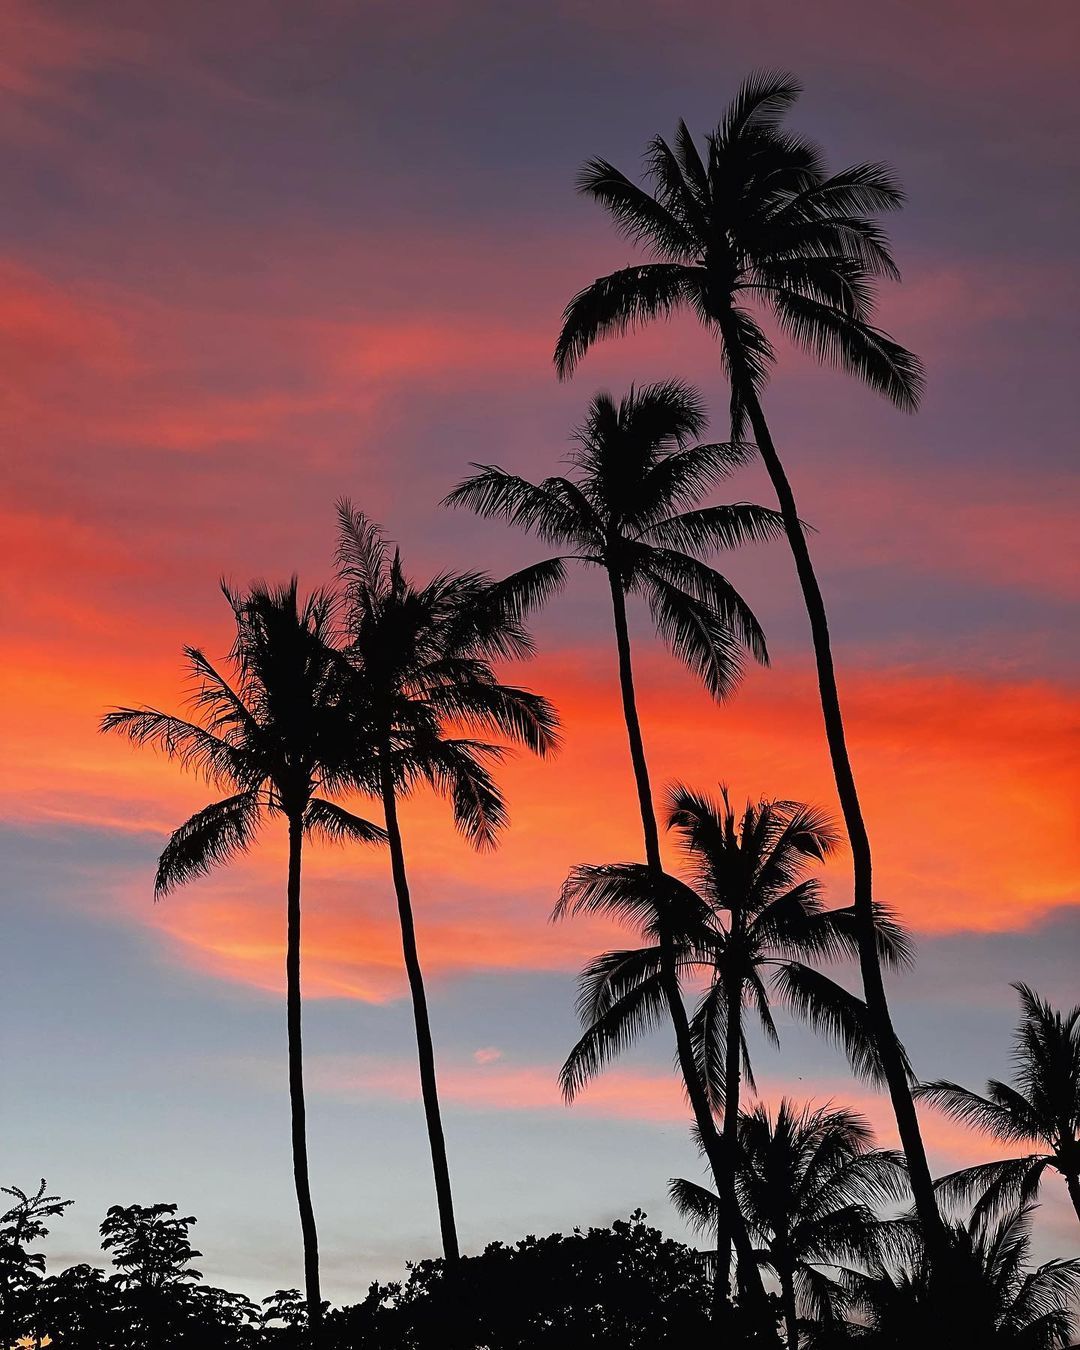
(834, 1013)
(614, 304)
(638, 1012)
(210, 837)
(336, 825)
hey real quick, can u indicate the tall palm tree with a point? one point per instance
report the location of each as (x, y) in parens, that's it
(630, 508)
(810, 1182)
(758, 920)
(1043, 1107)
(1002, 1304)
(758, 223)
(275, 730)
(421, 668)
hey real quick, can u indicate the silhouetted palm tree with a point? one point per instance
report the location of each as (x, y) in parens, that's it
(1043, 1107)
(758, 223)
(631, 510)
(1001, 1303)
(810, 1182)
(421, 660)
(276, 732)
(758, 920)
(753, 873)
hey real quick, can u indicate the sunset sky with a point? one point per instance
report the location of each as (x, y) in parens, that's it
(259, 255)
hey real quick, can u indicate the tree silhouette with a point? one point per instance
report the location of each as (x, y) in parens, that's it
(276, 732)
(625, 510)
(753, 873)
(754, 920)
(1042, 1107)
(421, 668)
(1002, 1302)
(809, 1182)
(22, 1224)
(758, 223)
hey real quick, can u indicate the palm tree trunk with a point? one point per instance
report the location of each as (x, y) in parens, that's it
(719, 1160)
(425, 1051)
(892, 1059)
(791, 1316)
(312, 1291)
(732, 1086)
(1072, 1181)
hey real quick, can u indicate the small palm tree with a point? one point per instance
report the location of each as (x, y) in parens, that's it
(421, 658)
(275, 731)
(1043, 1107)
(757, 223)
(630, 508)
(999, 1302)
(760, 921)
(810, 1183)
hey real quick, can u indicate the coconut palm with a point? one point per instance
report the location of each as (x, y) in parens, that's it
(1000, 1303)
(631, 509)
(421, 669)
(759, 922)
(274, 731)
(757, 224)
(810, 1182)
(752, 871)
(1043, 1107)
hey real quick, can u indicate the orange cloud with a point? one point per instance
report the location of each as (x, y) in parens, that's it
(966, 784)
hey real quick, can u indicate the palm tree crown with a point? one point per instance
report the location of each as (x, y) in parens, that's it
(275, 730)
(1000, 1301)
(1042, 1107)
(630, 507)
(748, 918)
(810, 1182)
(421, 659)
(754, 221)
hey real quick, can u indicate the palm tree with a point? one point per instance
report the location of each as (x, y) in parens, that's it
(1042, 1107)
(755, 919)
(631, 509)
(1000, 1303)
(759, 222)
(421, 667)
(809, 1183)
(753, 874)
(275, 732)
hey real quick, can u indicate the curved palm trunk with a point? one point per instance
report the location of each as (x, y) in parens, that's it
(425, 1052)
(312, 1291)
(719, 1159)
(888, 1046)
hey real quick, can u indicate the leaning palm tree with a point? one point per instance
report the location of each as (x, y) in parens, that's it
(420, 658)
(760, 931)
(757, 223)
(1000, 1303)
(276, 732)
(810, 1183)
(1043, 1107)
(631, 509)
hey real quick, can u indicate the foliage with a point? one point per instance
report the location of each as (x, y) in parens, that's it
(630, 507)
(1043, 1107)
(999, 1300)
